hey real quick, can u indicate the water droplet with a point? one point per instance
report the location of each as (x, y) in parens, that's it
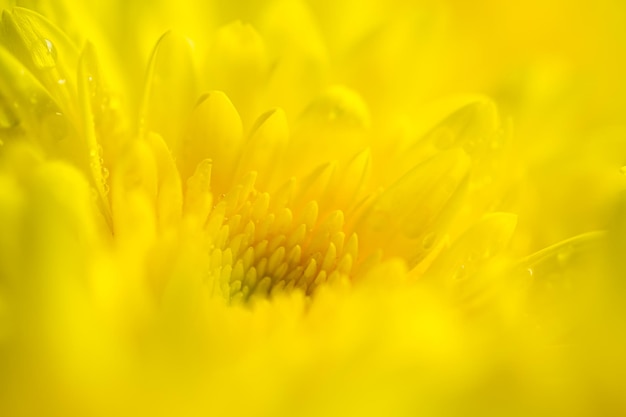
(52, 51)
(429, 240)
(530, 272)
(93, 87)
(622, 170)
(62, 81)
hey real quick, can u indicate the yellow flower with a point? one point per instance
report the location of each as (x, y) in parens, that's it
(278, 218)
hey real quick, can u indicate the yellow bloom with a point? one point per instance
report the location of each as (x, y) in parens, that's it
(278, 218)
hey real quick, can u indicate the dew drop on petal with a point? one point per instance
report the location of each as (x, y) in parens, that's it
(429, 240)
(51, 49)
(45, 57)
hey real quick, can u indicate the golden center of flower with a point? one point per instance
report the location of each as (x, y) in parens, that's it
(262, 246)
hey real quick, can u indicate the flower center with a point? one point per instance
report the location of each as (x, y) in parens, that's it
(260, 248)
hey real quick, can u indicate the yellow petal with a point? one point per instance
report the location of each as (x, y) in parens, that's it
(238, 65)
(134, 187)
(45, 51)
(468, 123)
(88, 93)
(332, 127)
(351, 181)
(403, 216)
(214, 132)
(198, 197)
(169, 199)
(27, 105)
(267, 144)
(476, 246)
(170, 91)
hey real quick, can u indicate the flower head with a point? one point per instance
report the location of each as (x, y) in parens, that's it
(251, 231)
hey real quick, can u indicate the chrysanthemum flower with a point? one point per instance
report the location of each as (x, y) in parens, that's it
(253, 230)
